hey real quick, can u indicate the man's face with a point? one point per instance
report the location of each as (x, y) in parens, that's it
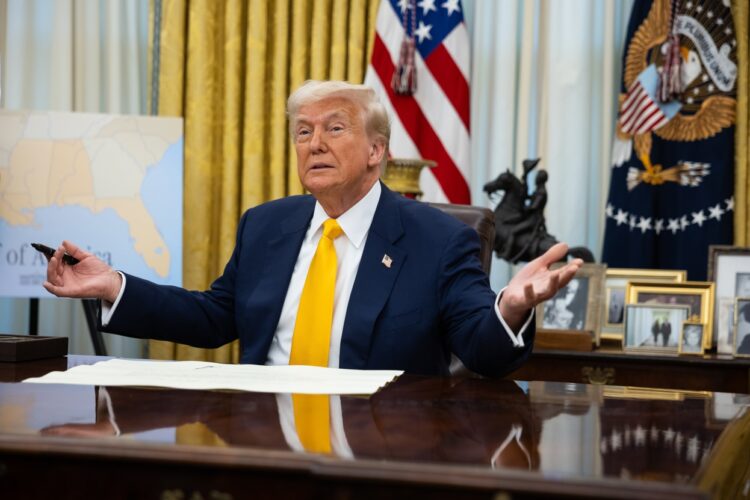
(336, 160)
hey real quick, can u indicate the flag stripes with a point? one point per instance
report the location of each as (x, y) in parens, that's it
(434, 122)
(639, 112)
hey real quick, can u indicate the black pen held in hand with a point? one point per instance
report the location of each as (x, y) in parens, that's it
(49, 252)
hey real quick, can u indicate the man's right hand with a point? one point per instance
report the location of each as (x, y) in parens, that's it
(91, 278)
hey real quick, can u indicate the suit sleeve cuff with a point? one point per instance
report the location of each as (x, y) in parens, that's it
(516, 339)
(108, 310)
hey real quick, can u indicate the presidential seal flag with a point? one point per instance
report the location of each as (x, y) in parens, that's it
(672, 177)
(420, 69)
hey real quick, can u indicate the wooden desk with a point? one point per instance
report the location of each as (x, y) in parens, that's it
(711, 372)
(418, 438)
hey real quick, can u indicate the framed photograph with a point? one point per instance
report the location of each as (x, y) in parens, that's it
(691, 338)
(724, 407)
(615, 282)
(724, 330)
(654, 327)
(729, 269)
(742, 327)
(697, 295)
(575, 306)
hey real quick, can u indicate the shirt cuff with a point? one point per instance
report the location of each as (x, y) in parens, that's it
(517, 339)
(109, 309)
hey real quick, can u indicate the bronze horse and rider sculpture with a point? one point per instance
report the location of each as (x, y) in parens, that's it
(520, 230)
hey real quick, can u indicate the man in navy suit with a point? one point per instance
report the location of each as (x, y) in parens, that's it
(409, 288)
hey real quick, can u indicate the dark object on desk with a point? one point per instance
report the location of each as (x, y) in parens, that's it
(25, 348)
(520, 230)
(49, 252)
(566, 340)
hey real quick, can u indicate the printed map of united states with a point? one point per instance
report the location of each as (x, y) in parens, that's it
(98, 163)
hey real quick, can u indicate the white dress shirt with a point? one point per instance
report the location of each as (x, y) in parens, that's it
(339, 443)
(355, 224)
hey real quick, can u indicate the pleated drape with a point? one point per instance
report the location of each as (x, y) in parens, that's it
(227, 67)
(742, 131)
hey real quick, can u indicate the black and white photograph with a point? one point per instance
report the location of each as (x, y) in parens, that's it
(742, 327)
(691, 340)
(567, 309)
(649, 327)
(725, 324)
(742, 285)
(728, 268)
(578, 306)
(615, 305)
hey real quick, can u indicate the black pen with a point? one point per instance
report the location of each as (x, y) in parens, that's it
(49, 252)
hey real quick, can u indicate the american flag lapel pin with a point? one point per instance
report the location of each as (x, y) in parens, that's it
(387, 261)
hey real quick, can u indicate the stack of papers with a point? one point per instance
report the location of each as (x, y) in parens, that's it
(204, 375)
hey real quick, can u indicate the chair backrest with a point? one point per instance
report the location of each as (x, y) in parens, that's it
(482, 220)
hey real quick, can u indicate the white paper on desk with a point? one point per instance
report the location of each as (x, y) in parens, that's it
(205, 375)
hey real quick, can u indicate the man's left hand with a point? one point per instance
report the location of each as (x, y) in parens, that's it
(536, 283)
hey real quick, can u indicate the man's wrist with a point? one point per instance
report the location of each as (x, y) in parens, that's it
(114, 289)
(512, 317)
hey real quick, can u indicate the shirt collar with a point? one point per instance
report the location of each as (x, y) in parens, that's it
(355, 222)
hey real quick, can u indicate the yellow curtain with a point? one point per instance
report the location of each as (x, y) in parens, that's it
(742, 131)
(227, 67)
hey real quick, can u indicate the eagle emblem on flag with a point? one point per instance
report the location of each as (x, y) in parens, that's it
(671, 192)
(689, 49)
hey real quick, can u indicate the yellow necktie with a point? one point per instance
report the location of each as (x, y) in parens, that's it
(312, 339)
(312, 330)
(313, 421)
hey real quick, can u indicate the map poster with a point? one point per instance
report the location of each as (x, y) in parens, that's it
(110, 184)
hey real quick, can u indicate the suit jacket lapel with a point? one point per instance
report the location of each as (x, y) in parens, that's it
(374, 281)
(281, 255)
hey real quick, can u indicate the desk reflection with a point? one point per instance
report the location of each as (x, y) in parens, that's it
(469, 421)
(555, 428)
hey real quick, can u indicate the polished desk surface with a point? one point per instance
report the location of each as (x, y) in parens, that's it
(606, 365)
(478, 435)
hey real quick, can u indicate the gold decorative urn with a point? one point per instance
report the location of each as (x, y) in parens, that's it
(402, 175)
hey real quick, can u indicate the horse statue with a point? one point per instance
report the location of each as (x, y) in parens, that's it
(520, 230)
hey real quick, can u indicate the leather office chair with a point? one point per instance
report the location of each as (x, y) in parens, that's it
(483, 222)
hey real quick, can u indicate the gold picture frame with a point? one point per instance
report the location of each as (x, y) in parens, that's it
(615, 284)
(741, 327)
(653, 394)
(699, 295)
(649, 328)
(577, 309)
(687, 345)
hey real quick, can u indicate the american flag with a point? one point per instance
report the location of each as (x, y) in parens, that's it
(641, 111)
(672, 186)
(433, 122)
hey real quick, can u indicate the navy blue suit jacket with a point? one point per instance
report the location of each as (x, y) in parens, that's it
(434, 299)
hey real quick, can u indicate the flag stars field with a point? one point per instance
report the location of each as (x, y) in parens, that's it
(451, 6)
(427, 6)
(699, 218)
(675, 225)
(423, 31)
